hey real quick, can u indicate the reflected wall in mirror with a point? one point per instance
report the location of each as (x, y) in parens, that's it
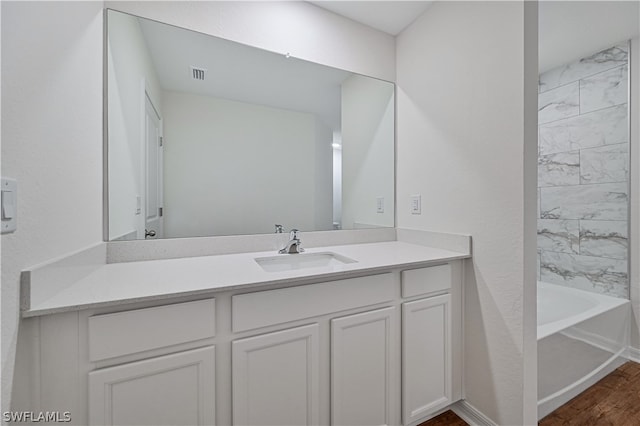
(210, 137)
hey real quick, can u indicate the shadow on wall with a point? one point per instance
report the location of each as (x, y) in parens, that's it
(480, 348)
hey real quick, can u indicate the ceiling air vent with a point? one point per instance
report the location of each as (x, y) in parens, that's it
(198, 73)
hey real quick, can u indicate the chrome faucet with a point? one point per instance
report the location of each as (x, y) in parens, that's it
(294, 245)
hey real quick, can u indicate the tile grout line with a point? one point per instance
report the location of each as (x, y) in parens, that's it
(581, 149)
(582, 114)
(585, 77)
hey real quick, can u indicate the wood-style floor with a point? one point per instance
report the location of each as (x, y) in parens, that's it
(448, 418)
(613, 401)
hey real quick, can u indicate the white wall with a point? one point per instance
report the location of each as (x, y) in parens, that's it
(227, 161)
(300, 28)
(634, 230)
(337, 183)
(461, 136)
(51, 142)
(367, 153)
(130, 70)
(323, 176)
(52, 115)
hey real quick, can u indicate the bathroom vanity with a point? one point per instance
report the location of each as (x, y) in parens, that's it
(224, 330)
(219, 340)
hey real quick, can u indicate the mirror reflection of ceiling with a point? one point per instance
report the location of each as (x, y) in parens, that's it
(263, 139)
(174, 52)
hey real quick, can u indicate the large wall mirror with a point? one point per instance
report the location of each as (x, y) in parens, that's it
(209, 137)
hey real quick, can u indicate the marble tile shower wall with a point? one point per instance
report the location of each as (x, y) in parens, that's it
(583, 171)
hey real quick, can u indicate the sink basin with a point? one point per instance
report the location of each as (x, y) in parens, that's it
(291, 262)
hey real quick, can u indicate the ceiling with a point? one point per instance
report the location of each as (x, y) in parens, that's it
(390, 17)
(570, 30)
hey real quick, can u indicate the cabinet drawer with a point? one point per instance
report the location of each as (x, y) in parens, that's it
(426, 280)
(128, 332)
(264, 308)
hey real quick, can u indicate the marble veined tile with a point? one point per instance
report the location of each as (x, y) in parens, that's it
(601, 61)
(607, 201)
(604, 238)
(609, 163)
(558, 169)
(538, 267)
(603, 127)
(603, 90)
(596, 274)
(559, 103)
(558, 235)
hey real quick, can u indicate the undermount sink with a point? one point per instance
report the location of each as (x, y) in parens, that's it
(291, 262)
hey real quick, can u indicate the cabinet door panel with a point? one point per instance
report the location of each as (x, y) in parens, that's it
(177, 389)
(361, 368)
(426, 357)
(275, 378)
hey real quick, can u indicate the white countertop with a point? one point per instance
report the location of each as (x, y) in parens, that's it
(119, 283)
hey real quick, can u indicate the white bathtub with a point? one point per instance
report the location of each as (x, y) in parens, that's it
(561, 307)
(582, 337)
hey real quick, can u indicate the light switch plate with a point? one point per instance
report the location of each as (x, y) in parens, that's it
(415, 204)
(9, 208)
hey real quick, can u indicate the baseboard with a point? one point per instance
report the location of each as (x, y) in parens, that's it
(471, 414)
(633, 354)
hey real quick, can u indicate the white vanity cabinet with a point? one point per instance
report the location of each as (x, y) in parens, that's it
(378, 349)
(177, 388)
(169, 390)
(276, 375)
(426, 343)
(426, 357)
(363, 348)
(276, 378)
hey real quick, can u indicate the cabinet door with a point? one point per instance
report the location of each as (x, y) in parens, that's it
(275, 378)
(362, 351)
(177, 389)
(426, 357)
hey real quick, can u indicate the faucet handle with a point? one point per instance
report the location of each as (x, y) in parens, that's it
(293, 235)
(279, 229)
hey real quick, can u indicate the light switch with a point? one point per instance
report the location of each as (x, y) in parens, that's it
(380, 204)
(415, 204)
(9, 205)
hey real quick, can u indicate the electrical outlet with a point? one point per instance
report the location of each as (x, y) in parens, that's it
(415, 204)
(380, 204)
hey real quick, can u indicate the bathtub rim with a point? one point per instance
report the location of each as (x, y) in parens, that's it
(604, 303)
